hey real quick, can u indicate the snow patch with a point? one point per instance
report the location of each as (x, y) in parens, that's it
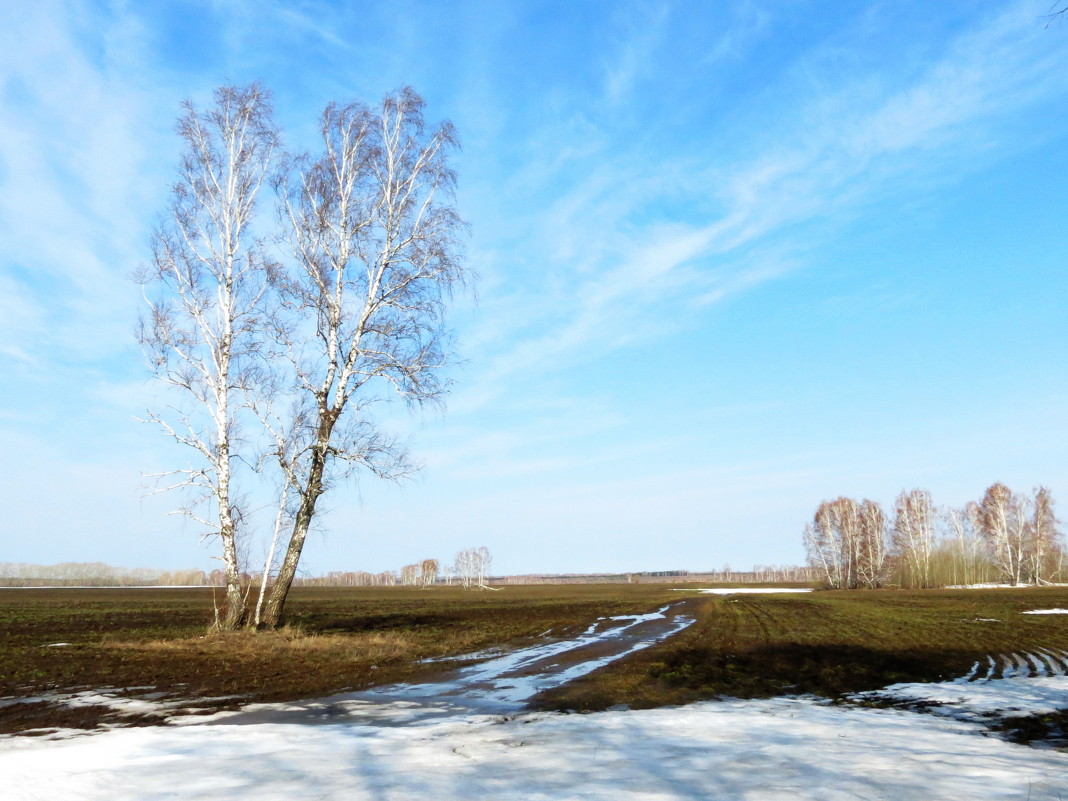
(787, 748)
(506, 682)
(1045, 612)
(745, 590)
(978, 699)
(998, 586)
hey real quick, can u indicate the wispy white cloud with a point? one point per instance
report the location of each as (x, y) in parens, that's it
(642, 27)
(624, 273)
(78, 121)
(750, 23)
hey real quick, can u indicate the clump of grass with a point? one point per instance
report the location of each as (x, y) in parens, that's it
(290, 640)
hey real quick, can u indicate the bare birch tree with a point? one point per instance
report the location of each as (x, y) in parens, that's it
(472, 566)
(1044, 548)
(846, 519)
(483, 560)
(822, 550)
(913, 536)
(203, 290)
(374, 241)
(464, 566)
(1002, 521)
(968, 562)
(409, 575)
(871, 544)
(428, 572)
(831, 542)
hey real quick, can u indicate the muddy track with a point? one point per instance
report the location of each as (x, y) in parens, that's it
(498, 683)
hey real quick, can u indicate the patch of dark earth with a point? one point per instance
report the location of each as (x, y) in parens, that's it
(1040, 729)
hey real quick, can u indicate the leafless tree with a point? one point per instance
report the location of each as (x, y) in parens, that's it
(472, 566)
(845, 513)
(428, 572)
(819, 546)
(832, 542)
(913, 536)
(871, 544)
(409, 575)
(483, 560)
(968, 561)
(374, 242)
(1044, 550)
(464, 567)
(203, 290)
(1002, 521)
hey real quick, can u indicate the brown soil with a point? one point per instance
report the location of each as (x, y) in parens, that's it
(153, 643)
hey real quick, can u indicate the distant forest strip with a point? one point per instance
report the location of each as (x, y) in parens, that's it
(99, 574)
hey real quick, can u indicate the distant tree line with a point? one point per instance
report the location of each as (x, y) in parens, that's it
(1006, 536)
(469, 569)
(98, 574)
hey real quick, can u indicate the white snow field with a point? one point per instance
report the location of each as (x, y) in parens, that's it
(467, 738)
(786, 749)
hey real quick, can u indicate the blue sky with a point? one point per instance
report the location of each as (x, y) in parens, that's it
(734, 259)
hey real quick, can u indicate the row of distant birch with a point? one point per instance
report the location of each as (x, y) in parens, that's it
(1007, 536)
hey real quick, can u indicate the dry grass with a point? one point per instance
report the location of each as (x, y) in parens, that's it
(285, 643)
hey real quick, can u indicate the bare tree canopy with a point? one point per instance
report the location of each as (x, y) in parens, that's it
(471, 566)
(913, 535)
(348, 312)
(847, 542)
(374, 254)
(203, 289)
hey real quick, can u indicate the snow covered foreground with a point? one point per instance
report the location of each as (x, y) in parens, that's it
(786, 748)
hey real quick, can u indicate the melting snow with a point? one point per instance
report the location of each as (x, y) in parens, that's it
(746, 590)
(1046, 612)
(786, 748)
(973, 700)
(505, 683)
